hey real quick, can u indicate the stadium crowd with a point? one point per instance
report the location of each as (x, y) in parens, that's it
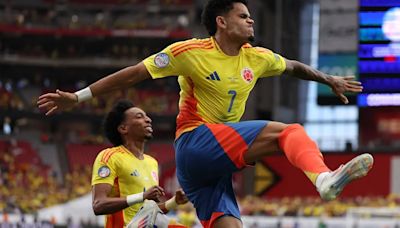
(27, 187)
(157, 100)
(311, 206)
(80, 15)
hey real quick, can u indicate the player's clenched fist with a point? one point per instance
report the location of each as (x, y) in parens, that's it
(153, 193)
(180, 197)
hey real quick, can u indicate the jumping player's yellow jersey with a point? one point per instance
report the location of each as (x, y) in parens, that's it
(214, 86)
(127, 174)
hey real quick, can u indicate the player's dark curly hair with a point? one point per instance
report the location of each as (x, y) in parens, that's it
(113, 119)
(215, 8)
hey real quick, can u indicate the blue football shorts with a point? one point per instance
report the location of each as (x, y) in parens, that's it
(206, 158)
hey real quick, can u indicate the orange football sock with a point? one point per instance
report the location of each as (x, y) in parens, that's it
(302, 152)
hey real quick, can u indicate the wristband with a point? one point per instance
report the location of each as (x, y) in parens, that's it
(134, 198)
(84, 94)
(171, 204)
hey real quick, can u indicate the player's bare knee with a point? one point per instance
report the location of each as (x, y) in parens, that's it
(293, 127)
(268, 139)
(271, 132)
(276, 127)
(266, 142)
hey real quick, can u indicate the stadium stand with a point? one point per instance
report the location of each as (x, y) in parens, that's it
(46, 45)
(50, 44)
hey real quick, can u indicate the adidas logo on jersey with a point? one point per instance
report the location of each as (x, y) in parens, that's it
(135, 173)
(214, 77)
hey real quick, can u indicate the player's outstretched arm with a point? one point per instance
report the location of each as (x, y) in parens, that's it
(178, 199)
(103, 204)
(60, 100)
(338, 84)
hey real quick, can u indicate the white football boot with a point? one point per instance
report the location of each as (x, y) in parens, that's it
(333, 184)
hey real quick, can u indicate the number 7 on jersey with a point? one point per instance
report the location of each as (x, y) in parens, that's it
(233, 93)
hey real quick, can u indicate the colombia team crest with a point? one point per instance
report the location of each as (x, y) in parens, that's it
(247, 75)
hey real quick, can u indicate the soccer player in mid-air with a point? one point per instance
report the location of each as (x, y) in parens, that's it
(216, 75)
(124, 176)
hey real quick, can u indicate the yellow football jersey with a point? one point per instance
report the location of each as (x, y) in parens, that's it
(214, 86)
(128, 175)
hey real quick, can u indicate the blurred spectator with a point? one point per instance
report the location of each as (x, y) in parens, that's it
(7, 129)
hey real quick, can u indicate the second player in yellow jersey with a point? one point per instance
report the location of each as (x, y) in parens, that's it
(124, 176)
(126, 173)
